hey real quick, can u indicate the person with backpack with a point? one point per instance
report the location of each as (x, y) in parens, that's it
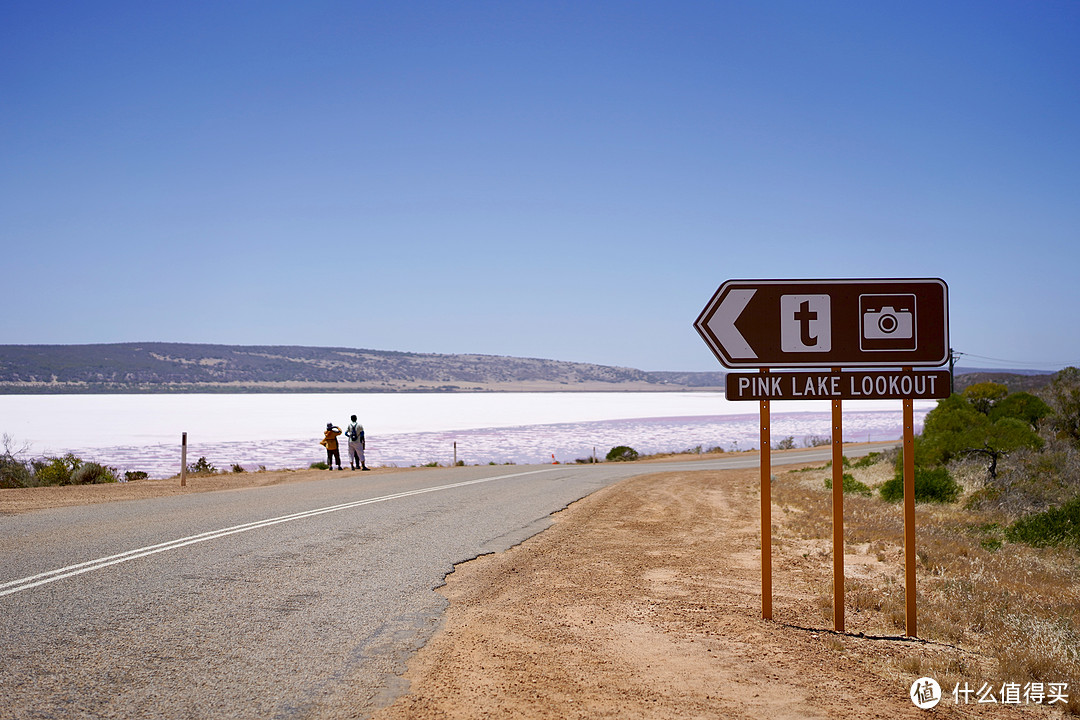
(355, 433)
(330, 442)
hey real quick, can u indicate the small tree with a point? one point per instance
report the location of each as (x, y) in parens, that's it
(955, 427)
(983, 396)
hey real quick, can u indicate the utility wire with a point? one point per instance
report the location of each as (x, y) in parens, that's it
(1019, 364)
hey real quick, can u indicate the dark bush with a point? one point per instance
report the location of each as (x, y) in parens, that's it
(202, 466)
(867, 460)
(1058, 526)
(90, 473)
(851, 485)
(14, 473)
(1031, 481)
(622, 453)
(931, 485)
(1064, 398)
(1022, 406)
(51, 471)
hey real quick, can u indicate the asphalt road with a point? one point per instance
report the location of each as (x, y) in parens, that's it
(291, 601)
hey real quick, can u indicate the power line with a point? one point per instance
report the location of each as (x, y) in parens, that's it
(1018, 364)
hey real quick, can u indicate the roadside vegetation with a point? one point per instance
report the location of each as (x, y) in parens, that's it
(15, 472)
(997, 483)
(18, 470)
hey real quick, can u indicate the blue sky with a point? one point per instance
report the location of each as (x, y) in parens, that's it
(566, 180)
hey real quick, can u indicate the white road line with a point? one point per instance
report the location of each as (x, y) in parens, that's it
(44, 578)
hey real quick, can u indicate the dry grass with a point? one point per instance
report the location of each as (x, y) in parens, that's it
(997, 611)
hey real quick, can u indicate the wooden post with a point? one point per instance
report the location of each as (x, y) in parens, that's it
(183, 460)
(455, 453)
(766, 513)
(838, 512)
(911, 625)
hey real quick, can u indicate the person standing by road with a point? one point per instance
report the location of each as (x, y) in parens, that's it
(330, 442)
(355, 433)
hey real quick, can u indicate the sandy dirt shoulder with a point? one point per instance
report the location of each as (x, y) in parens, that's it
(643, 601)
(18, 500)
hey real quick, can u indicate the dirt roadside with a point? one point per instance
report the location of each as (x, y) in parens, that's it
(643, 601)
(16, 500)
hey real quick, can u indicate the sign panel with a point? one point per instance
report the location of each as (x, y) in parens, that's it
(828, 323)
(847, 385)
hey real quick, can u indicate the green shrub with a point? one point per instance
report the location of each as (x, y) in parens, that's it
(1057, 526)
(91, 473)
(54, 470)
(931, 485)
(319, 466)
(202, 466)
(1023, 406)
(622, 453)
(131, 475)
(867, 460)
(66, 470)
(787, 443)
(851, 485)
(238, 468)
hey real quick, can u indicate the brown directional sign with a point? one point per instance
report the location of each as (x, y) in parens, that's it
(847, 385)
(828, 323)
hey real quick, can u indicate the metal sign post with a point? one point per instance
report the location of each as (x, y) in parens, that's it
(183, 459)
(876, 325)
(766, 513)
(911, 623)
(838, 513)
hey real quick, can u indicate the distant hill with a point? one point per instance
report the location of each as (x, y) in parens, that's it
(180, 367)
(1015, 380)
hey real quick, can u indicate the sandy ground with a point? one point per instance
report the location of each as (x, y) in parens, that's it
(15, 500)
(643, 601)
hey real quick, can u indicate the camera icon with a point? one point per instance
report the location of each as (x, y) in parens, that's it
(888, 322)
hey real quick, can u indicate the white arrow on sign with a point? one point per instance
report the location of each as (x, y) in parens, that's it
(723, 327)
